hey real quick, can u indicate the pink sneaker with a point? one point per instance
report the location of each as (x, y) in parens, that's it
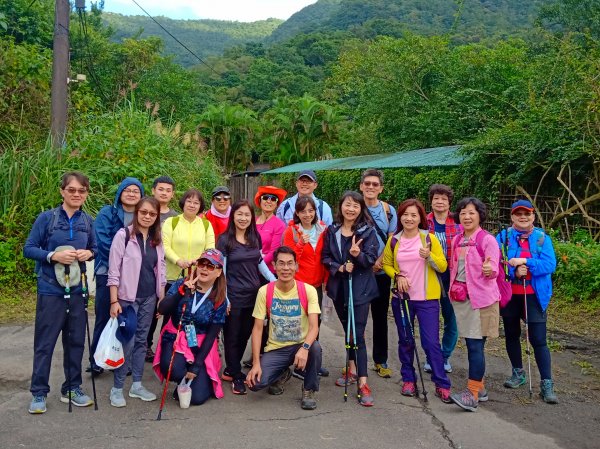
(443, 394)
(409, 389)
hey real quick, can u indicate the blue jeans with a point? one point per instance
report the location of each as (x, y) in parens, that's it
(475, 350)
(450, 337)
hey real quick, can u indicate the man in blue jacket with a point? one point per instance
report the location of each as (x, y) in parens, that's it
(61, 237)
(109, 220)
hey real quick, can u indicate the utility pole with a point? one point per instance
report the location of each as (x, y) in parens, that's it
(60, 74)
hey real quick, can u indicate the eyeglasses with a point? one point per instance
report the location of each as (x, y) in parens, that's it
(281, 264)
(151, 214)
(269, 197)
(73, 190)
(132, 192)
(371, 184)
(222, 197)
(207, 265)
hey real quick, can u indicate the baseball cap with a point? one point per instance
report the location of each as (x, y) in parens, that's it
(522, 204)
(220, 189)
(308, 173)
(214, 256)
(127, 324)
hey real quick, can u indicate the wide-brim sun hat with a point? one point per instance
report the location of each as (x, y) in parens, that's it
(269, 190)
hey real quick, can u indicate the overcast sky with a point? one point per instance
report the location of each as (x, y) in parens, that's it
(241, 10)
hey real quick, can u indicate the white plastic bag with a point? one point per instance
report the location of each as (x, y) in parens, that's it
(184, 391)
(109, 352)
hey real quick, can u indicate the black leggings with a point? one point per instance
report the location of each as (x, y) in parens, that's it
(361, 314)
(236, 332)
(537, 338)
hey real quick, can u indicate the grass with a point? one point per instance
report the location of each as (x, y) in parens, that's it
(17, 306)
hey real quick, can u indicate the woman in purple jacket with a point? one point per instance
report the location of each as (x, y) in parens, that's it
(136, 278)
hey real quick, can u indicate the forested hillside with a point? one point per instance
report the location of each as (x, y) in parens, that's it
(203, 37)
(474, 19)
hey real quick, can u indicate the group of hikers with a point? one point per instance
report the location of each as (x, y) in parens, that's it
(234, 275)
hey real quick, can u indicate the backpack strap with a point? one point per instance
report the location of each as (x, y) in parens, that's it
(301, 286)
(388, 212)
(206, 224)
(174, 222)
(320, 207)
(286, 208)
(479, 241)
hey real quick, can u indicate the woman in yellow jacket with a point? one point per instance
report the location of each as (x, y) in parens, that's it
(186, 236)
(412, 258)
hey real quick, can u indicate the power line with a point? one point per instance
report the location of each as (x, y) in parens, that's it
(176, 40)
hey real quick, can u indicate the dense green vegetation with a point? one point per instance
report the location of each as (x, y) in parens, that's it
(369, 77)
(203, 37)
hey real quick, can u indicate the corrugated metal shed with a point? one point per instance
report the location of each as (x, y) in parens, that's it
(427, 157)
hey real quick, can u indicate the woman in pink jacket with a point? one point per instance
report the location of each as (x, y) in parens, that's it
(474, 294)
(136, 278)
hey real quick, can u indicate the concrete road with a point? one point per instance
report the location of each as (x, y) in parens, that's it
(253, 421)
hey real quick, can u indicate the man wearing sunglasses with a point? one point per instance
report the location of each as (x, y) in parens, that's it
(306, 183)
(109, 220)
(220, 208)
(386, 221)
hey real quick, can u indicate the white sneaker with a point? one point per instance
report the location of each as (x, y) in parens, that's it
(116, 397)
(142, 393)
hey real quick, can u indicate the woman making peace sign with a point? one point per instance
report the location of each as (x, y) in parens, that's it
(350, 247)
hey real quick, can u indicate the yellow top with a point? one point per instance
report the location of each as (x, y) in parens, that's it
(187, 241)
(288, 319)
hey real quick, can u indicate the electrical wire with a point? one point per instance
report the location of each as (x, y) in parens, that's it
(176, 40)
(90, 62)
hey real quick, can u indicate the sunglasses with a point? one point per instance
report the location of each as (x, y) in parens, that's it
(151, 214)
(222, 197)
(371, 184)
(73, 190)
(207, 265)
(269, 197)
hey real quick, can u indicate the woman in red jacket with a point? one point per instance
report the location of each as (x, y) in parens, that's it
(304, 235)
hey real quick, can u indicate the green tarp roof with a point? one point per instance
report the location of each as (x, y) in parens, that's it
(427, 157)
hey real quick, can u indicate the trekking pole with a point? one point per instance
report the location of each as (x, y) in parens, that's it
(67, 297)
(164, 393)
(352, 324)
(412, 333)
(348, 328)
(527, 351)
(84, 287)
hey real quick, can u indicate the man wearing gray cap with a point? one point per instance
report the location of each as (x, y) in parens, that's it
(220, 207)
(306, 183)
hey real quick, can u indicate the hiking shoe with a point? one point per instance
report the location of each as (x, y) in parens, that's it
(116, 397)
(308, 400)
(465, 400)
(483, 395)
(547, 391)
(142, 393)
(517, 379)
(78, 398)
(350, 379)
(383, 370)
(37, 405)
(408, 389)
(239, 387)
(323, 372)
(276, 388)
(427, 366)
(149, 355)
(447, 366)
(298, 374)
(443, 394)
(247, 363)
(226, 376)
(365, 397)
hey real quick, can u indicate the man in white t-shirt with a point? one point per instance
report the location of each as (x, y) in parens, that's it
(293, 311)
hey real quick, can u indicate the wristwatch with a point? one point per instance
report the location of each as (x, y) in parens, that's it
(306, 346)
